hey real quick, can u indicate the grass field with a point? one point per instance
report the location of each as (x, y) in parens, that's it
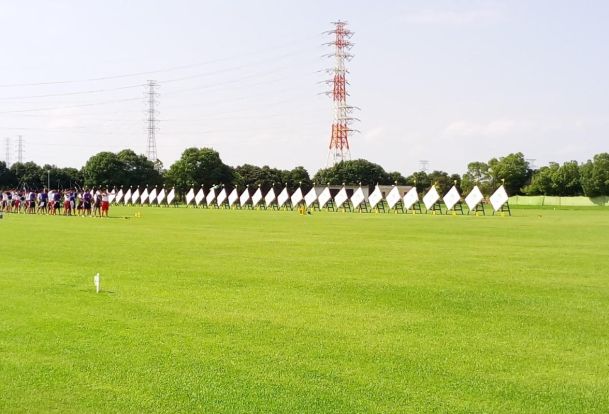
(259, 311)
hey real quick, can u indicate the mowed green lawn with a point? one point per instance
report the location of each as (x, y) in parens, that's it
(262, 311)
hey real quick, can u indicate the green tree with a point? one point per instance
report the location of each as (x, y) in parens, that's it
(421, 179)
(477, 174)
(198, 166)
(512, 168)
(139, 170)
(28, 175)
(104, 169)
(353, 172)
(60, 178)
(7, 177)
(594, 176)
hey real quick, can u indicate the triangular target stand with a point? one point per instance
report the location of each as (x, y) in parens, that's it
(478, 209)
(505, 207)
(436, 208)
(457, 209)
(416, 208)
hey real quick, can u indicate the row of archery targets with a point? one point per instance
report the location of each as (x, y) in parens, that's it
(321, 198)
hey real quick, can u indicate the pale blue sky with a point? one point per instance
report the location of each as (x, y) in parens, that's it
(445, 81)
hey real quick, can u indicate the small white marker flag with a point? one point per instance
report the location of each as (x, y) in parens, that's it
(393, 197)
(269, 197)
(499, 198)
(232, 197)
(97, 282)
(211, 196)
(357, 198)
(452, 197)
(171, 196)
(310, 197)
(200, 196)
(144, 196)
(375, 197)
(190, 196)
(161, 196)
(152, 196)
(257, 197)
(296, 197)
(324, 197)
(135, 196)
(245, 196)
(410, 198)
(128, 196)
(283, 197)
(431, 197)
(221, 197)
(341, 197)
(119, 196)
(473, 198)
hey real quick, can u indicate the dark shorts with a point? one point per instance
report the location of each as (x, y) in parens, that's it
(87, 205)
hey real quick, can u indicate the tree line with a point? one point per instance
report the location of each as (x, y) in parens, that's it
(203, 166)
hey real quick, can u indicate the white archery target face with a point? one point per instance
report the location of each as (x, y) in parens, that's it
(499, 198)
(393, 197)
(269, 197)
(190, 196)
(171, 196)
(152, 196)
(200, 196)
(144, 197)
(410, 198)
(324, 197)
(375, 197)
(119, 196)
(128, 196)
(161, 197)
(111, 196)
(310, 197)
(232, 197)
(297, 196)
(431, 198)
(452, 197)
(257, 197)
(135, 196)
(245, 197)
(283, 197)
(211, 196)
(341, 197)
(474, 198)
(357, 198)
(221, 197)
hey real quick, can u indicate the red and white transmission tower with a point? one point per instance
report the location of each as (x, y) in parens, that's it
(339, 140)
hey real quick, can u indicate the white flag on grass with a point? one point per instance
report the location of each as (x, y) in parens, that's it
(283, 197)
(410, 198)
(144, 197)
(269, 197)
(171, 196)
(311, 197)
(257, 197)
(211, 196)
(245, 197)
(119, 196)
(152, 196)
(161, 196)
(341, 197)
(473, 198)
(324, 197)
(221, 197)
(358, 197)
(200, 196)
(375, 197)
(393, 197)
(135, 196)
(190, 195)
(297, 197)
(499, 198)
(232, 197)
(431, 197)
(452, 197)
(128, 196)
